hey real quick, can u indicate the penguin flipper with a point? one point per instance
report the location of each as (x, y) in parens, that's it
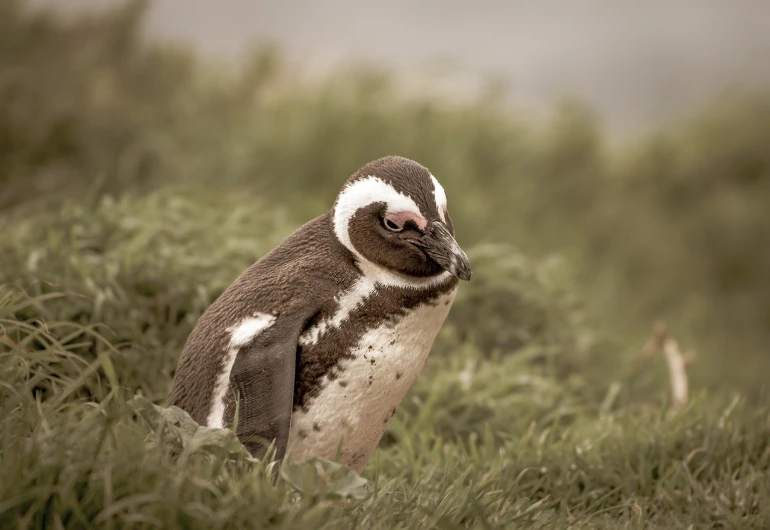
(263, 378)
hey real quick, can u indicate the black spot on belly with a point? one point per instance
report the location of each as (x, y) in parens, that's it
(343, 384)
(392, 342)
(372, 361)
(302, 434)
(398, 376)
(316, 427)
(390, 416)
(357, 458)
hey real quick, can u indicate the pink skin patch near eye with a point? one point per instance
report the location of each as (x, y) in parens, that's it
(401, 218)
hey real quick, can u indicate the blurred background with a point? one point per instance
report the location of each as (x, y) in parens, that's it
(637, 64)
(607, 163)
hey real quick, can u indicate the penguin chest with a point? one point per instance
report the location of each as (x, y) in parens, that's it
(350, 413)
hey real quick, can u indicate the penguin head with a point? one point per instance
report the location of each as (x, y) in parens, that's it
(392, 215)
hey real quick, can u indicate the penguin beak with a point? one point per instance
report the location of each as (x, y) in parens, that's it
(442, 248)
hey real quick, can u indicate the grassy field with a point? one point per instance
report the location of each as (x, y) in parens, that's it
(136, 182)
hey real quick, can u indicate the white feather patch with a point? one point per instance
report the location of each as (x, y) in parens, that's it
(360, 194)
(348, 301)
(439, 194)
(240, 335)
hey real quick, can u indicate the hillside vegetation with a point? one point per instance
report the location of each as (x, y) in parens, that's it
(137, 181)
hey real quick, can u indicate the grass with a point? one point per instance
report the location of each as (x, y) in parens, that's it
(138, 184)
(521, 449)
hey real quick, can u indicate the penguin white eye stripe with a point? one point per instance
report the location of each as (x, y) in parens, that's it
(440, 195)
(362, 193)
(371, 189)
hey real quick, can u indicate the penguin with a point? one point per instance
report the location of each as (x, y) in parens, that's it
(315, 345)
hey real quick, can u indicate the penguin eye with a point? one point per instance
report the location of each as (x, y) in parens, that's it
(392, 225)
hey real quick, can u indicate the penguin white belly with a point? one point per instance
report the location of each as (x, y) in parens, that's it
(350, 414)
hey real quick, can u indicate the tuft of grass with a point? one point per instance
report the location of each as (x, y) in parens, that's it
(140, 271)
